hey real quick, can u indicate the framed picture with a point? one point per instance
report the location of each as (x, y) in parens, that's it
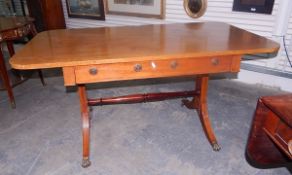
(253, 6)
(140, 8)
(90, 9)
(195, 8)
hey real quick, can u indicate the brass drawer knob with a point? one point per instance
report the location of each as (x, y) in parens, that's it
(173, 64)
(215, 61)
(93, 71)
(137, 67)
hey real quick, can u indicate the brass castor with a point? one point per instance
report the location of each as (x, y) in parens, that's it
(216, 146)
(188, 104)
(85, 162)
(13, 105)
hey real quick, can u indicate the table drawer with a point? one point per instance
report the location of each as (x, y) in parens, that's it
(155, 69)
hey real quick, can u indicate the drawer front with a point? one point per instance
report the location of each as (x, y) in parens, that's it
(155, 69)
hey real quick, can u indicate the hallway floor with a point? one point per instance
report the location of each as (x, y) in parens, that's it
(42, 136)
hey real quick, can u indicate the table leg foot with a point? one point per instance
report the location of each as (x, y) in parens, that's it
(190, 104)
(13, 105)
(216, 147)
(85, 162)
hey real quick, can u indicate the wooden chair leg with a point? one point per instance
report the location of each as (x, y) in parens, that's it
(5, 79)
(41, 77)
(85, 125)
(10, 48)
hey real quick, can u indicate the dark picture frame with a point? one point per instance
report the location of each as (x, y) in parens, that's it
(254, 6)
(88, 9)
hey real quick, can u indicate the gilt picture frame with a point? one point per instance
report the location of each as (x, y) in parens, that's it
(138, 8)
(88, 9)
(195, 8)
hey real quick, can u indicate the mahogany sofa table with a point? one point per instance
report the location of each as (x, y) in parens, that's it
(108, 54)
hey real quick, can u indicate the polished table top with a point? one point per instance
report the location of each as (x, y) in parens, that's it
(73, 47)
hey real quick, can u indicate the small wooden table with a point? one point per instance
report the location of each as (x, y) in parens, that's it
(13, 28)
(270, 140)
(108, 54)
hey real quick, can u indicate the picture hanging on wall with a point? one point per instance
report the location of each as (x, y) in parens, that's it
(139, 8)
(195, 8)
(90, 9)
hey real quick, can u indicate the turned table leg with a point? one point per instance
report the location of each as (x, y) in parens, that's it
(199, 103)
(85, 125)
(5, 79)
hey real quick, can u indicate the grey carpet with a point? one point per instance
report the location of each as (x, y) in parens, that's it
(42, 136)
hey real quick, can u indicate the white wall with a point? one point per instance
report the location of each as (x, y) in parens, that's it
(289, 39)
(217, 10)
(4, 10)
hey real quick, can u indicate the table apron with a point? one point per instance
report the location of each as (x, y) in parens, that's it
(149, 69)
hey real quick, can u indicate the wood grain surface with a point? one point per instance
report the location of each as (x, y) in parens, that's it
(75, 47)
(282, 106)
